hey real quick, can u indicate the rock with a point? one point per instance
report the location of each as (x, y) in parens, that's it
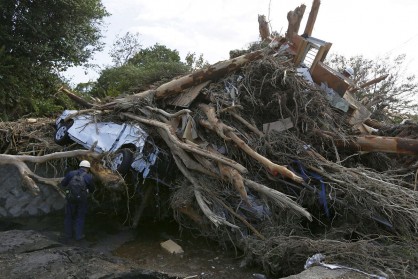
(320, 272)
(29, 254)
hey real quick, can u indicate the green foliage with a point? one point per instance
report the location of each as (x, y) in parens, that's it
(157, 53)
(124, 48)
(194, 62)
(37, 40)
(146, 67)
(394, 97)
(58, 33)
(114, 80)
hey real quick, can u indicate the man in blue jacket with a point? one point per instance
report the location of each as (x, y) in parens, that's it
(77, 185)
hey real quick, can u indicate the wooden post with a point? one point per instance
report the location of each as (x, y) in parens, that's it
(312, 18)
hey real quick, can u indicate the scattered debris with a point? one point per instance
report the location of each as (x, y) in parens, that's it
(171, 247)
(274, 155)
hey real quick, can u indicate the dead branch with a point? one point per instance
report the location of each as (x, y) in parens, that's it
(369, 83)
(215, 219)
(225, 132)
(169, 115)
(171, 134)
(247, 124)
(28, 177)
(76, 98)
(279, 198)
(242, 219)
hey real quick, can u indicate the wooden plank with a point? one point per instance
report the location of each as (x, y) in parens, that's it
(358, 115)
(172, 247)
(323, 73)
(300, 51)
(185, 99)
(327, 47)
(296, 41)
(318, 57)
(280, 125)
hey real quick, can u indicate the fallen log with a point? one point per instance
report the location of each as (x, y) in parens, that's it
(76, 98)
(177, 86)
(380, 144)
(374, 143)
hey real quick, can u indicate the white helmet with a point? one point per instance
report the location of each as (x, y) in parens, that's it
(85, 164)
(349, 71)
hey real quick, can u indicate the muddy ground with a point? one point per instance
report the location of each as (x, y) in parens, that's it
(140, 247)
(33, 248)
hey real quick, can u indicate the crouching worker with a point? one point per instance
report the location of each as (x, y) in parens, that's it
(77, 185)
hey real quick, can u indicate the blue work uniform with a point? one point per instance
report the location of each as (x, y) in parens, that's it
(75, 212)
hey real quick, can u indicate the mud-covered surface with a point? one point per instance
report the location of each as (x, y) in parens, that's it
(201, 258)
(30, 254)
(33, 248)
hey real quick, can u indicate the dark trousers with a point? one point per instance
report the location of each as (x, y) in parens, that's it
(75, 214)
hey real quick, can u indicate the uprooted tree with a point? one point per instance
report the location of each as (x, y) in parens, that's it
(271, 164)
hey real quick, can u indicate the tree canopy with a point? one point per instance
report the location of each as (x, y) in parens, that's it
(136, 71)
(394, 96)
(38, 39)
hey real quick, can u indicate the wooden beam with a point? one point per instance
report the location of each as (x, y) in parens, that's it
(323, 73)
(369, 83)
(318, 57)
(360, 112)
(327, 46)
(300, 45)
(312, 18)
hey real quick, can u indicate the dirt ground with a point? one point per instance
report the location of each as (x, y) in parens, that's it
(141, 247)
(201, 258)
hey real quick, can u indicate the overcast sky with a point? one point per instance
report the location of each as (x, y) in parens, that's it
(373, 28)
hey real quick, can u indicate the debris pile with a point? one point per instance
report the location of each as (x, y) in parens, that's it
(279, 160)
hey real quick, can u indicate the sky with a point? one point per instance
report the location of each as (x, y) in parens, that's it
(372, 28)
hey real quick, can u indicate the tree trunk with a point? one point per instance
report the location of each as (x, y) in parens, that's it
(381, 144)
(263, 27)
(176, 86)
(294, 18)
